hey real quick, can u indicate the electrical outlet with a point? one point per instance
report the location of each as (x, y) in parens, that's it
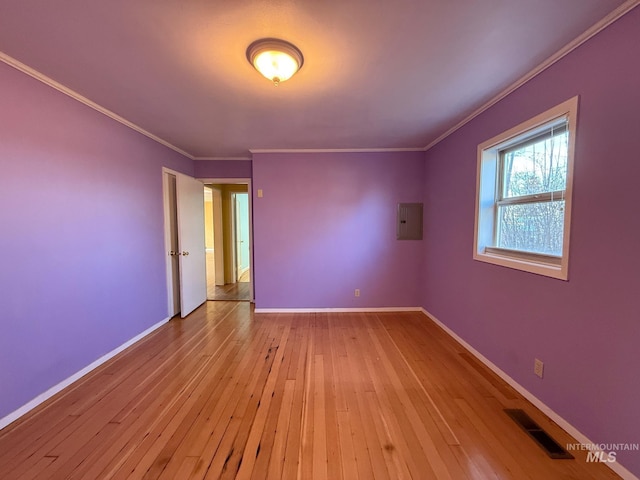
(357, 292)
(538, 367)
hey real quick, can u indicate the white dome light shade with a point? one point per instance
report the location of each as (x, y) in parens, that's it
(276, 59)
(276, 66)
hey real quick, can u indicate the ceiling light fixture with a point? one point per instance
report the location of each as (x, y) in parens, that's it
(276, 59)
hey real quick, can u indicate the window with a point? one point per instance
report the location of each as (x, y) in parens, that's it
(523, 204)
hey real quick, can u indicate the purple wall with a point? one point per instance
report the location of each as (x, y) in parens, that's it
(81, 231)
(81, 236)
(586, 330)
(222, 168)
(326, 226)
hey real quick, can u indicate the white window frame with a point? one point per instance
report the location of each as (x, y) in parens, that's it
(487, 192)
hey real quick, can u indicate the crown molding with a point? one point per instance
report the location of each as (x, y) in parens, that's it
(223, 158)
(623, 9)
(335, 150)
(84, 100)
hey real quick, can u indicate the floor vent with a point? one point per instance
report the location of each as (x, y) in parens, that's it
(542, 438)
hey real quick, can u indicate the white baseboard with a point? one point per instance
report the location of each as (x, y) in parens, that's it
(562, 423)
(338, 310)
(13, 416)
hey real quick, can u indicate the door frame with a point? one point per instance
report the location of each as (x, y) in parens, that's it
(247, 182)
(236, 226)
(171, 310)
(218, 244)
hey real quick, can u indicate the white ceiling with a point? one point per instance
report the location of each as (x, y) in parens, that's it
(377, 73)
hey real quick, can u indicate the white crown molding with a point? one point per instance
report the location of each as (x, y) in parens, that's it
(623, 9)
(561, 422)
(230, 159)
(336, 150)
(84, 100)
(16, 414)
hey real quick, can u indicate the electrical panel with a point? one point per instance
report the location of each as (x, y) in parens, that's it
(409, 226)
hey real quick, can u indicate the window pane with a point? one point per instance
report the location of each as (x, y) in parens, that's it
(532, 227)
(536, 167)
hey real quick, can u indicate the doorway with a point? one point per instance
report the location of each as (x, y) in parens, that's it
(228, 240)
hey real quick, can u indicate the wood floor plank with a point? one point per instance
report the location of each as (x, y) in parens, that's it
(305, 450)
(319, 421)
(235, 404)
(226, 393)
(276, 456)
(279, 410)
(297, 373)
(252, 446)
(348, 455)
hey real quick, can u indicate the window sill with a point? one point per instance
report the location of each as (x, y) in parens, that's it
(525, 265)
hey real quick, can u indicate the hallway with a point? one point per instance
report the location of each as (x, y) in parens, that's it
(240, 291)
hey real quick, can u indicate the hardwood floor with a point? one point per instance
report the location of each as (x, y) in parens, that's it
(226, 393)
(239, 291)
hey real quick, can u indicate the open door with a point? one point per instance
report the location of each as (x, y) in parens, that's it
(191, 251)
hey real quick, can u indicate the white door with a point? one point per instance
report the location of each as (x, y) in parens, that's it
(193, 277)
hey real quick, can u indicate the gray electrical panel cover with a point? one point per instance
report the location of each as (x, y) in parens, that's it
(409, 226)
